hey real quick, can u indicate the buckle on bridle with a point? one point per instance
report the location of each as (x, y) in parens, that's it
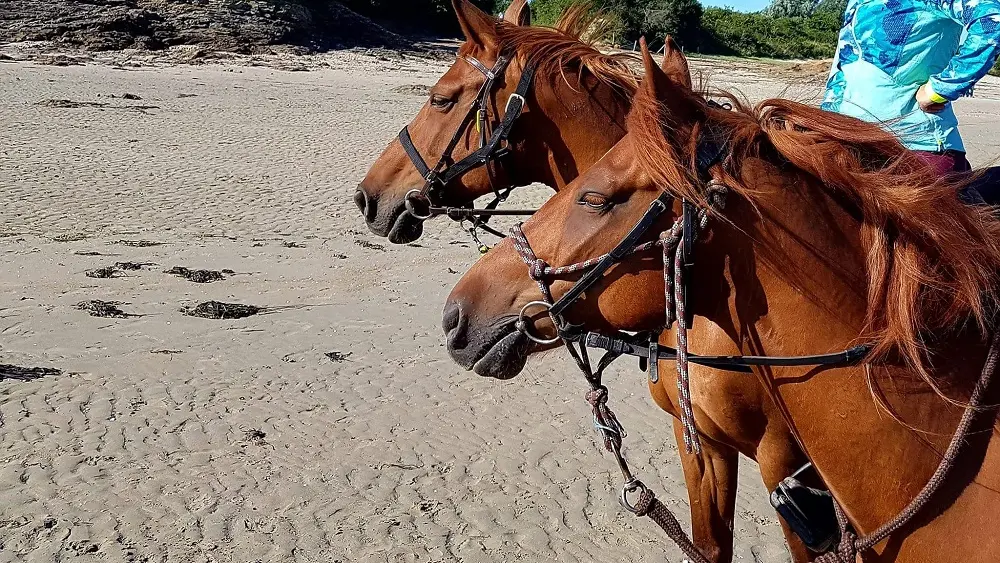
(522, 325)
(408, 200)
(510, 100)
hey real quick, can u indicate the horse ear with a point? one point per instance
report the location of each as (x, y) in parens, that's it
(675, 64)
(674, 96)
(656, 81)
(478, 27)
(518, 13)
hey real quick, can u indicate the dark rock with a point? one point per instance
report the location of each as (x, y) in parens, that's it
(139, 243)
(116, 270)
(218, 310)
(197, 276)
(69, 104)
(98, 308)
(240, 26)
(337, 357)
(22, 373)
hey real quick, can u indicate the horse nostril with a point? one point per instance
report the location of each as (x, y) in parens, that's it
(454, 323)
(365, 204)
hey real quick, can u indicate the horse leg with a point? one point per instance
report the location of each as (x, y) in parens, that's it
(778, 459)
(711, 485)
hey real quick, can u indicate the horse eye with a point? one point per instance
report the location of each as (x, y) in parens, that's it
(594, 200)
(441, 102)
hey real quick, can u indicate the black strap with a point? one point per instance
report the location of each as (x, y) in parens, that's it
(515, 106)
(690, 234)
(491, 149)
(708, 153)
(656, 208)
(414, 154)
(627, 347)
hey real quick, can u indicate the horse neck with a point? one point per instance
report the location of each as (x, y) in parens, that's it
(575, 123)
(795, 285)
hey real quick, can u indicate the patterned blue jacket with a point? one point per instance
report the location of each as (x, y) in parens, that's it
(889, 48)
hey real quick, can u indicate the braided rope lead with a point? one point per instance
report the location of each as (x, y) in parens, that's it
(849, 546)
(648, 505)
(691, 441)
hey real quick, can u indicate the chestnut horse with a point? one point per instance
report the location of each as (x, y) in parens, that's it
(831, 234)
(574, 112)
(574, 115)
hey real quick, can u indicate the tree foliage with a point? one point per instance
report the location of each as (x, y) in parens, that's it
(786, 29)
(762, 35)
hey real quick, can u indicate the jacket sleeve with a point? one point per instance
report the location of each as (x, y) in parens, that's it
(977, 53)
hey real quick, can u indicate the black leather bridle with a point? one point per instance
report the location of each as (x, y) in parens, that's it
(420, 202)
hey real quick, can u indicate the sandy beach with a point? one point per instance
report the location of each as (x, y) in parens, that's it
(331, 426)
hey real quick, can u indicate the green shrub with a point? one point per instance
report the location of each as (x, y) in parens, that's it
(728, 32)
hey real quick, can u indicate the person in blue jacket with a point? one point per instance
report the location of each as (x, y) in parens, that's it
(903, 62)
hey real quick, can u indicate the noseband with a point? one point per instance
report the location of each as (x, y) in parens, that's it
(420, 202)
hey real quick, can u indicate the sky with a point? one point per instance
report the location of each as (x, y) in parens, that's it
(740, 5)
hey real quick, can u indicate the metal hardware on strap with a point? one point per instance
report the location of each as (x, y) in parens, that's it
(409, 198)
(515, 98)
(654, 359)
(523, 323)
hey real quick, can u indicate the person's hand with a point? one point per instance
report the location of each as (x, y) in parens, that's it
(926, 100)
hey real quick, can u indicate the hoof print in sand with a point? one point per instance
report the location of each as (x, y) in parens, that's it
(107, 309)
(337, 357)
(115, 271)
(199, 276)
(218, 310)
(84, 546)
(20, 373)
(369, 245)
(254, 437)
(139, 243)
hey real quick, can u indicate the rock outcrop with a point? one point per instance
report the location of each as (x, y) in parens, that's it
(230, 25)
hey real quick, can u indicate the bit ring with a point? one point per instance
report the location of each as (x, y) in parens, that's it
(522, 323)
(408, 200)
